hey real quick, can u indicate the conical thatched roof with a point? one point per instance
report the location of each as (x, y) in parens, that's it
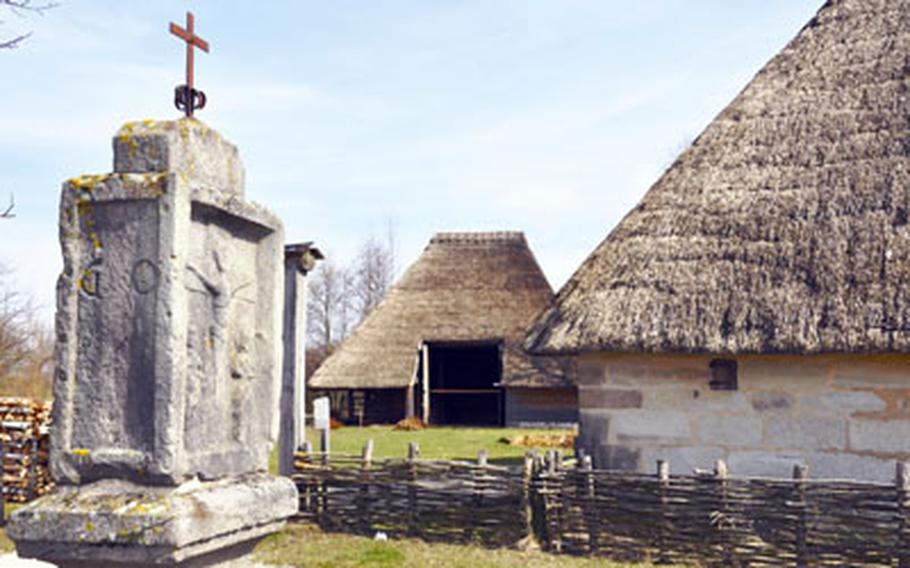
(784, 227)
(464, 287)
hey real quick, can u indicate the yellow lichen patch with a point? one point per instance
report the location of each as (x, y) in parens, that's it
(89, 526)
(85, 182)
(81, 452)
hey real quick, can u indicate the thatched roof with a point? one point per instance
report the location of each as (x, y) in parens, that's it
(784, 227)
(464, 287)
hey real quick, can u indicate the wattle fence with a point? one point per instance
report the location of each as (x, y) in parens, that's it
(569, 508)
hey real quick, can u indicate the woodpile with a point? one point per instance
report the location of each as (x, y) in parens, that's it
(567, 507)
(561, 440)
(24, 449)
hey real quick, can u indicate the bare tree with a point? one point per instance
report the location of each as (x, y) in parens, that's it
(26, 346)
(329, 307)
(21, 8)
(8, 212)
(374, 273)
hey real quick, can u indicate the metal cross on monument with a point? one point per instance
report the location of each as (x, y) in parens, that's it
(186, 98)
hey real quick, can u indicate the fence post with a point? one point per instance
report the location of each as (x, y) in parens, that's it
(366, 459)
(663, 483)
(527, 501)
(902, 480)
(589, 498)
(479, 479)
(800, 474)
(553, 499)
(307, 494)
(723, 509)
(325, 444)
(413, 513)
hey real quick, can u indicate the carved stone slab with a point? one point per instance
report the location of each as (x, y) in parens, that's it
(168, 320)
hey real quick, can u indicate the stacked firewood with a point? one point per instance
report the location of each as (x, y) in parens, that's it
(24, 448)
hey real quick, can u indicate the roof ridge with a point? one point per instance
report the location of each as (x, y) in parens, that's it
(470, 237)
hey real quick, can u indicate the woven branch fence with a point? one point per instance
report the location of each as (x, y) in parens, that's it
(570, 508)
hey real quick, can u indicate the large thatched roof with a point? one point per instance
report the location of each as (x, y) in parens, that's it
(784, 227)
(464, 287)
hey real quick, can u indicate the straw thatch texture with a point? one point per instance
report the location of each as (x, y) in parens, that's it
(784, 227)
(464, 287)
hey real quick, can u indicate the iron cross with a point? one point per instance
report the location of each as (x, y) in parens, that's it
(186, 98)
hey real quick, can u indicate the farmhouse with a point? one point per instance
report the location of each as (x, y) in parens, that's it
(755, 305)
(445, 344)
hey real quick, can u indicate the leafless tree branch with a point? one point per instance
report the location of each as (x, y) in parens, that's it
(8, 212)
(20, 8)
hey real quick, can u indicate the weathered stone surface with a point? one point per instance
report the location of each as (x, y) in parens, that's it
(806, 433)
(839, 465)
(884, 436)
(843, 402)
(764, 463)
(198, 155)
(683, 460)
(116, 522)
(617, 457)
(593, 429)
(592, 397)
(168, 319)
(729, 430)
(773, 401)
(168, 362)
(650, 427)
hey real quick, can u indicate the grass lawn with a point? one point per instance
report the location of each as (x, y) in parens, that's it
(435, 442)
(302, 545)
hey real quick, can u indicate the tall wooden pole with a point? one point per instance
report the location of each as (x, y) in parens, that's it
(425, 360)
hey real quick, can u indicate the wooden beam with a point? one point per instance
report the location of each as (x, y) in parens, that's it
(425, 375)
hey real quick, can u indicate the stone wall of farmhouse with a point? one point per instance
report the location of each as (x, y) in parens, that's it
(844, 416)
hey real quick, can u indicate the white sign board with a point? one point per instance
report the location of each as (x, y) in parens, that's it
(321, 413)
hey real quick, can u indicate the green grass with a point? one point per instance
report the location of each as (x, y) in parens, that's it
(435, 442)
(305, 546)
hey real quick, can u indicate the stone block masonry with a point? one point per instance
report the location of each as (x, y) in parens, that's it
(843, 416)
(168, 360)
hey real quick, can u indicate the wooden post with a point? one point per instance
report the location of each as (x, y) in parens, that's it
(414, 513)
(425, 375)
(589, 495)
(539, 501)
(366, 461)
(800, 475)
(527, 481)
(723, 508)
(553, 499)
(479, 481)
(325, 444)
(307, 496)
(902, 481)
(409, 401)
(663, 484)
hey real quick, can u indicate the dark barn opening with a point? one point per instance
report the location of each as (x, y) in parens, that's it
(463, 384)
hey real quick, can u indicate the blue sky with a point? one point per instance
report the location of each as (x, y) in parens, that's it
(551, 117)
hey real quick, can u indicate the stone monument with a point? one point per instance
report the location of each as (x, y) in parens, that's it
(168, 361)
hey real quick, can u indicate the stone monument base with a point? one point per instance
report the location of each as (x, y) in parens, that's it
(119, 524)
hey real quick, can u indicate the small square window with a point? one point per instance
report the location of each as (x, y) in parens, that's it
(723, 375)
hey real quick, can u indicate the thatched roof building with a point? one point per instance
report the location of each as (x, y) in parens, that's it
(466, 289)
(783, 228)
(755, 305)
